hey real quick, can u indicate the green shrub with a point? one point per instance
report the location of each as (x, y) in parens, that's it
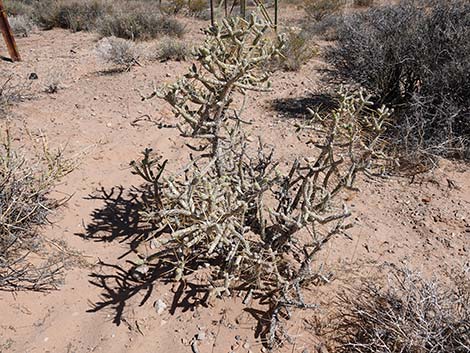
(414, 56)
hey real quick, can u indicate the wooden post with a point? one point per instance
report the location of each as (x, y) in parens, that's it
(8, 35)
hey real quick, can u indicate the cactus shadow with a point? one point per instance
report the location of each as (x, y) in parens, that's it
(118, 219)
(297, 107)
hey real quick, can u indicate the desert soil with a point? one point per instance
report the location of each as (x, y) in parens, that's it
(423, 222)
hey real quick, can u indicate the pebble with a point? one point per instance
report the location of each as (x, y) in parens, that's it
(160, 306)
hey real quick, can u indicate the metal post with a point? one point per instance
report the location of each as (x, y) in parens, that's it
(212, 12)
(276, 4)
(8, 35)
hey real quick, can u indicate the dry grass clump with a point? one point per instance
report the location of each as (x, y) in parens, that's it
(231, 213)
(24, 205)
(410, 314)
(415, 56)
(139, 23)
(122, 53)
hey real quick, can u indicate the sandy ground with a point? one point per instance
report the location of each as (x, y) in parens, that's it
(423, 222)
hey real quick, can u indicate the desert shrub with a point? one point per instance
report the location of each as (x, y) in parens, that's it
(318, 9)
(197, 8)
(117, 51)
(53, 82)
(297, 51)
(21, 25)
(409, 314)
(363, 3)
(12, 89)
(414, 56)
(18, 8)
(74, 15)
(139, 24)
(171, 49)
(25, 184)
(232, 213)
(173, 7)
(325, 29)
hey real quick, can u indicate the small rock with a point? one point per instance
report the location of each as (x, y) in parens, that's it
(160, 306)
(246, 345)
(201, 336)
(33, 76)
(238, 338)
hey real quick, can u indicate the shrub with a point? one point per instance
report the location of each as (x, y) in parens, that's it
(297, 51)
(53, 83)
(12, 90)
(74, 15)
(18, 8)
(171, 49)
(318, 9)
(24, 204)
(231, 213)
(117, 51)
(139, 24)
(363, 3)
(173, 7)
(414, 56)
(410, 314)
(198, 8)
(326, 28)
(21, 25)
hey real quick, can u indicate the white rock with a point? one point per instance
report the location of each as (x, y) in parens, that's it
(160, 306)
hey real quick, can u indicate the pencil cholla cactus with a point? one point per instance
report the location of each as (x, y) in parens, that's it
(231, 62)
(232, 213)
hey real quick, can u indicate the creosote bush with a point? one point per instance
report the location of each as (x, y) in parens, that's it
(25, 184)
(409, 314)
(414, 56)
(232, 213)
